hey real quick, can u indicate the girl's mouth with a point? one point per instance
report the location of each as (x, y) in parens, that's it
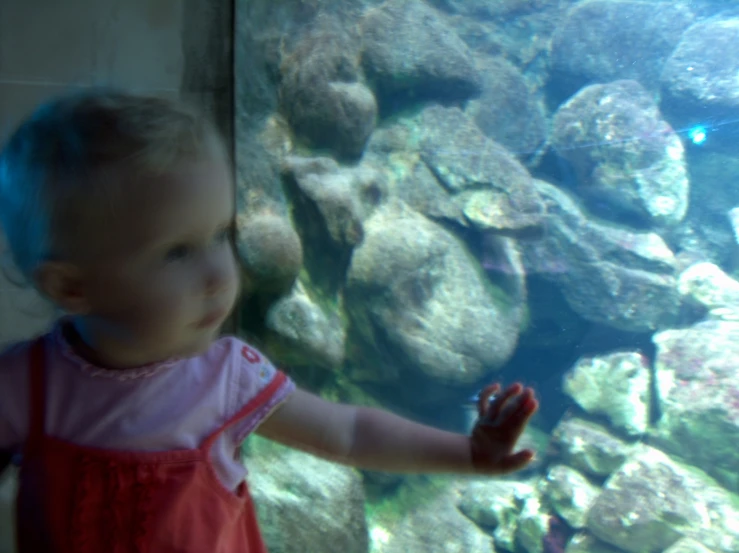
(212, 319)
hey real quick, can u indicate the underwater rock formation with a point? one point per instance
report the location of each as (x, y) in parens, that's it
(299, 328)
(305, 503)
(623, 152)
(617, 385)
(699, 81)
(653, 501)
(697, 381)
(410, 53)
(589, 447)
(322, 96)
(414, 293)
(607, 274)
(508, 110)
(409, 148)
(607, 40)
(491, 187)
(342, 197)
(435, 522)
(270, 251)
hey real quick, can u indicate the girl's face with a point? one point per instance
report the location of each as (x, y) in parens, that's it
(169, 279)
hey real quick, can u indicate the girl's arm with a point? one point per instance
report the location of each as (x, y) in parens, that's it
(374, 439)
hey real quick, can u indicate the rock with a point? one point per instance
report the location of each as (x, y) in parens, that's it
(305, 503)
(494, 191)
(589, 447)
(342, 196)
(534, 526)
(519, 31)
(270, 251)
(687, 545)
(623, 152)
(570, 494)
(414, 291)
(704, 234)
(496, 504)
(698, 394)
(258, 156)
(411, 54)
(733, 216)
(441, 164)
(608, 40)
(707, 285)
(699, 81)
(508, 111)
(607, 274)
(421, 190)
(322, 97)
(617, 385)
(300, 332)
(583, 542)
(434, 527)
(652, 502)
(486, 10)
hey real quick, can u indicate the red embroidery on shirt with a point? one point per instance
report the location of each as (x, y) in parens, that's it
(250, 355)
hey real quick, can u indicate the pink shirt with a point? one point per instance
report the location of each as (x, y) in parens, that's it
(174, 404)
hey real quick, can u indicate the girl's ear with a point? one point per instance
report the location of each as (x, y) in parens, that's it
(63, 284)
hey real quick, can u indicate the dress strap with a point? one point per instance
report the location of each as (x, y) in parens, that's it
(255, 403)
(37, 390)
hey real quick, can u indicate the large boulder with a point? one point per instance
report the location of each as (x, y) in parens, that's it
(623, 152)
(410, 54)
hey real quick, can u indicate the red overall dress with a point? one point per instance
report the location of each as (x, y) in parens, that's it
(75, 499)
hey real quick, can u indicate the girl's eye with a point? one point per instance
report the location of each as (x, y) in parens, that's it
(178, 252)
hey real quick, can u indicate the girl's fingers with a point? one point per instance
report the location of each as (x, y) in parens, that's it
(525, 410)
(497, 406)
(483, 400)
(517, 461)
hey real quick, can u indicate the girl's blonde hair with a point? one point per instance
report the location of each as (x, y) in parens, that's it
(64, 168)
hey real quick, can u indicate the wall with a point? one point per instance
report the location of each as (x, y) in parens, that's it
(47, 47)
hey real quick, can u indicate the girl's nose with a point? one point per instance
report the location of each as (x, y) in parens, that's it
(219, 276)
(214, 284)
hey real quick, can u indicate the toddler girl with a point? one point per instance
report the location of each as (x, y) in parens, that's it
(127, 417)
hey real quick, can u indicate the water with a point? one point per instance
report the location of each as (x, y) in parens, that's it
(519, 191)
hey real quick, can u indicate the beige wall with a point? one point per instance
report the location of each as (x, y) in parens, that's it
(47, 46)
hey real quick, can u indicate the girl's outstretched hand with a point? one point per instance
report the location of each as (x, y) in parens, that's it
(500, 423)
